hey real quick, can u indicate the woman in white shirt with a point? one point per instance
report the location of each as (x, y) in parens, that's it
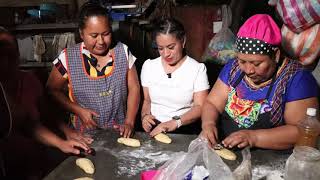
(174, 85)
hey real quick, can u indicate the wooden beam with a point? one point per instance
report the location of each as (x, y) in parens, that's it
(21, 3)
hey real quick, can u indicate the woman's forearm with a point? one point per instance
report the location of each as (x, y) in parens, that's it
(282, 137)
(146, 108)
(209, 115)
(191, 116)
(62, 99)
(47, 137)
(133, 104)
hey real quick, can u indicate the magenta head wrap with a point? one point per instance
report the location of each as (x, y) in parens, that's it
(258, 35)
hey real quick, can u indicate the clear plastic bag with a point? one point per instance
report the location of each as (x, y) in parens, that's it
(221, 48)
(199, 153)
(244, 170)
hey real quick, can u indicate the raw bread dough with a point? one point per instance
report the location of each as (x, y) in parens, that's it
(86, 165)
(163, 138)
(84, 178)
(226, 154)
(129, 142)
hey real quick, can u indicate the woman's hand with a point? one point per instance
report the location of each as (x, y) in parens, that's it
(126, 130)
(75, 135)
(147, 122)
(86, 116)
(164, 127)
(240, 139)
(72, 146)
(210, 132)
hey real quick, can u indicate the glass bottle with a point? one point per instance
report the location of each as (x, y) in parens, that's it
(303, 164)
(309, 129)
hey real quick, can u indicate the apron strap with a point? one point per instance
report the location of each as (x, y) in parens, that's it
(271, 85)
(235, 84)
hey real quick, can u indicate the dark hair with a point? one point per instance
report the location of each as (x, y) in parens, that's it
(9, 50)
(170, 26)
(90, 9)
(14, 42)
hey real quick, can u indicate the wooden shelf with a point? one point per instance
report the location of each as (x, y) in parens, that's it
(27, 27)
(36, 65)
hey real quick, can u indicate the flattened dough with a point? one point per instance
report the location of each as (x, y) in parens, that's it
(129, 142)
(86, 165)
(226, 154)
(84, 178)
(163, 138)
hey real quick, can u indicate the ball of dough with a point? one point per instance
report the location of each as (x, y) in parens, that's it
(163, 138)
(129, 142)
(84, 178)
(226, 154)
(86, 165)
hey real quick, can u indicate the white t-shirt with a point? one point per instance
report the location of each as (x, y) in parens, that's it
(173, 96)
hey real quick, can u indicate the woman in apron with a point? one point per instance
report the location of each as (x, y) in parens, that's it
(100, 75)
(261, 96)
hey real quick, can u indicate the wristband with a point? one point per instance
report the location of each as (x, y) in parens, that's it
(178, 120)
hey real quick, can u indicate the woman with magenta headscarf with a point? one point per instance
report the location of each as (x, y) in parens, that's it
(259, 97)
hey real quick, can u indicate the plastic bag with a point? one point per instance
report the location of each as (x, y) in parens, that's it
(244, 170)
(221, 48)
(296, 14)
(200, 154)
(304, 46)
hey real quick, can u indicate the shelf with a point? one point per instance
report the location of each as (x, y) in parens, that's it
(36, 65)
(25, 27)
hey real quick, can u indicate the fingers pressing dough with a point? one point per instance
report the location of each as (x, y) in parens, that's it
(226, 154)
(163, 138)
(84, 178)
(86, 165)
(129, 142)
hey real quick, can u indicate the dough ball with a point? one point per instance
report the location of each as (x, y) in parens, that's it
(129, 142)
(84, 178)
(226, 154)
(86, 165)
(163, 138)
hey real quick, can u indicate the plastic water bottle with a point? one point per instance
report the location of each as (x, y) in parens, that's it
(309, 129)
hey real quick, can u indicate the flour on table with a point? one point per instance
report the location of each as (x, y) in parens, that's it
(132, 162)
(273, 172)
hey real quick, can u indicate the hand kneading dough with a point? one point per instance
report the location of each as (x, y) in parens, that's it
(84, 178)
(226, 154)
(163, 138)
(129, 142)
(86, 165)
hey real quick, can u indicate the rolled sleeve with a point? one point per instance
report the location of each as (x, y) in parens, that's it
(130, 57)
(145, 81)
(61, 64)
(201, 81)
